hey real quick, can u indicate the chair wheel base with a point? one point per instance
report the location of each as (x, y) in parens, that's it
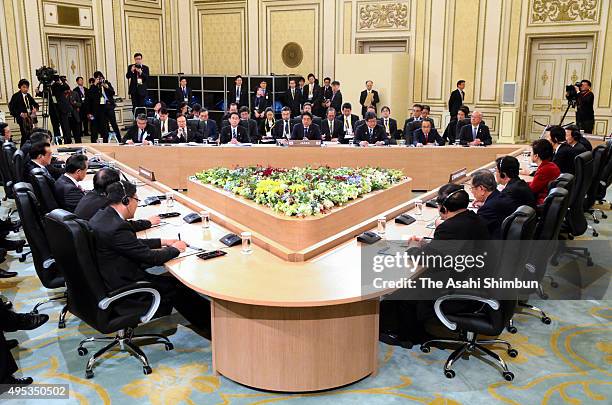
(512, 329)
(508, 375)
(449, 373)
(590, 262)
(595, 234)
(61, 325)
(604, 216)
(546, 320)
(89, 374)
(169, 346)
(147, 370)
(512, 353)
(554, 284)
(82, 351)
(425, 349)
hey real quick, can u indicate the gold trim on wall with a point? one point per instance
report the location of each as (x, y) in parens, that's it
(563, 12)
(383, 16)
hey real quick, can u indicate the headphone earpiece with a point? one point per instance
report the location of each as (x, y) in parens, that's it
(499, 168)
(443, 208)
(125, 200)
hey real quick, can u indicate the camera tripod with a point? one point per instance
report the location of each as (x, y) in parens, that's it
(570, 104)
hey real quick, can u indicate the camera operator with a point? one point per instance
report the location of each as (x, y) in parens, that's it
(585, 116)
(60, 99)
(101, 109)
(137, 74)
(21, 106)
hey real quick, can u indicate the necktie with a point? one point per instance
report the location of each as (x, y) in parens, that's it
(293, 94)
(305, 132)
(26, 101)
(370, 133)
(233, 133)
(331, 127)
(387, 124)
(184, 92)
(163, 127)
(140, 135)
(474, 132)
(426, 139)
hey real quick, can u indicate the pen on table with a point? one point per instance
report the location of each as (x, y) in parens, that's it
(179, 235)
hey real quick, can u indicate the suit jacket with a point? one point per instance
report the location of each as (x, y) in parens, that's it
(519, 191)
(122, 257)
(261, 103)
(483, 134)
(353, 121)
(294, 102)
(93, 201)
(53, 173)
(495, 209)
(264, 127)
(132, 134)
(192, 136)
(67, 194)
(62, 103)
(278, 129)
(409, 128)
(314, 132)
(327, 92)
(134, 87)
(336, 102)
(392, 127)
(454, 102)
(242, 136)
(17, 105)
(243, 101)
(334, 133)
(378, 135)
(95, 93)
(564, 158)
(208, 128)
(317, 95)
(251, 128)
(546, 172)
(586, 143)
(362, 99)
(451, 133)
(578, 148)
(466, 225)
(82, 95)
(179, 96)
(171, 126)
(315, 120)
(434, 136)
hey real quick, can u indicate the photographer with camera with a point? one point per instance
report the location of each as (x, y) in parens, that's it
(101, 109)
(23, 108)
(585, 115)
(61, 110)
(137, 74)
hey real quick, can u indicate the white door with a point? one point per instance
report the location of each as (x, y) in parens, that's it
(67, 56)
(554, 63)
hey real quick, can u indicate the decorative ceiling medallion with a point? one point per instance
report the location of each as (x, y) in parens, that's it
(292, 55)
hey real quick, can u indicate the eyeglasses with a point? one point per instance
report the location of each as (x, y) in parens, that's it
(135, 198)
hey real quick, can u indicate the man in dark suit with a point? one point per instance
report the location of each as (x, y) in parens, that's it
(249, 124)
(426, 135)
(388, 123)
(238, 93)
(142, 132)
(60, 90)
(283, 127)
(585, 115)
(312, 94)
(101, 108)
(368, 97)
(40, 157)
(476, 134)
(415, 115)
(67, 190)
(572, 138)
(22, 104)
(293, 98)
(425, 115)
(335, 101)
(326, 94)
(306, 130)
(262, 100)
(371, 133)
(451, 133)
(96, 199)
(494, 206)
(137, 74)
(182, 93)
(182, 134)
(307, 108)
(165, 125)
(331, 128)
(349, 123)
(123, 258)
(572, 131)
(507, 174)
(206, 126)
(234, 133)
(563, 154)
(80, 92)
(456, 99)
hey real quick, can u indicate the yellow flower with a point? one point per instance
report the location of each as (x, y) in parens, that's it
(605, 347)
(167, 385)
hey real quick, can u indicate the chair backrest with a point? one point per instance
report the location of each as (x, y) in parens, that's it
(43, 189)
(33, 228)
(565, 180)
(517, 231)
(6, 170)
(18, 164)
(553, 213)
(606, 172)
(575, 218)
(599, 157)
(72, 244)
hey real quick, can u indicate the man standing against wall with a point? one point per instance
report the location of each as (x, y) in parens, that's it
(137, 74)
(456, 99)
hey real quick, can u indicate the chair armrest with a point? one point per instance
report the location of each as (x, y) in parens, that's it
(451, 325)
(47, 264)
(136, 288)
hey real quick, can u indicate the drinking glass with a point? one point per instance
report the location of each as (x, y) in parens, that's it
(246, 243)
(205, 219)
(382, 226)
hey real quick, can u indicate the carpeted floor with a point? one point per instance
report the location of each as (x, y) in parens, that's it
(568, 361)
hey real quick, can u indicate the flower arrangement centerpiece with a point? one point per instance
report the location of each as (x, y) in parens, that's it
(299, 191)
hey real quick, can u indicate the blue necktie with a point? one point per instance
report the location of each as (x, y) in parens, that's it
(474, 133)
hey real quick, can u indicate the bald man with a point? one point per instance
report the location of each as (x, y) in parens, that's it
(476, 134)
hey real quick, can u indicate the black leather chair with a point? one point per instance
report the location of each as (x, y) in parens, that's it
(606, 176)
(601, 155)
(44, 264)
(43, 189)
(6, 171)
(494, 315)
(18, 164)
(73, 245)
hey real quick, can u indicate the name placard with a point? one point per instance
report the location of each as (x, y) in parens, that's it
(458, 175)
(146, 173)
(303, 143)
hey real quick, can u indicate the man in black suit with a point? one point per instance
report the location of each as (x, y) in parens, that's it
(368, 97)
(80, 93)
(67, 190)
(585, 115)
(142, 132)
(165, 125)
(476, 134)
(349, 123)
(335, 101)
(388, 123)
(494, 206)
(60, 100)
(363, 120)
(426, 135)
(249, 124)
(233, 108)
(22, 104)
(312, 94)
(327, 93)
(371, 133)
(123, 258)
(40, 157)
(262, 100)
(456, 99)
(415, 115)
(96, 199)
(234, 132)
(137, 74)
(238, 93)
(182, 93)
(572, 138)
(507, 170)
(451, 133)
(307, 108)
(206, 126)
(572, 131)
(283, 127)
(425, 115)
(101, 108)
(306, 130)
(563, 153)
(182, 134)
(331, 128)
(293, 98)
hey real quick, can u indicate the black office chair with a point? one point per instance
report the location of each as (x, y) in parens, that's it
(606, 177)
(73, 245)
(6, 171)
(494, 315)
(18, 164)
(601, 155)
(43, 189)
(44, 264)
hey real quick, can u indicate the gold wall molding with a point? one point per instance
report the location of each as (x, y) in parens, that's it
(145, 34)
(564, 11)
(377, 16)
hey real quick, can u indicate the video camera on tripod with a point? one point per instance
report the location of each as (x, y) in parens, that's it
(46, 77)
(571, 94)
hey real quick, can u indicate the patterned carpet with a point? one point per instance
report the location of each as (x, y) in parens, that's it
(568, 361)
